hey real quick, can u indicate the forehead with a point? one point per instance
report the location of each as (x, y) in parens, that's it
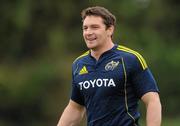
(89, 20)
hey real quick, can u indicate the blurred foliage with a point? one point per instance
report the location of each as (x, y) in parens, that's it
(40, 39)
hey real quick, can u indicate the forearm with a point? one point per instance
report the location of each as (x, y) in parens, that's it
(153, 115)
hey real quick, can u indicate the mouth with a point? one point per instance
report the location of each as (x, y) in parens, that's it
(92, 38)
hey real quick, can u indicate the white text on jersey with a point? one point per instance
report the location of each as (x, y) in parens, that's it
(97, 83)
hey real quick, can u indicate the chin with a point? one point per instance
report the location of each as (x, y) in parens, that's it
(90, 46)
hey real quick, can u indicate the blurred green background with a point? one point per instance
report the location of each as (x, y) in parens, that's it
(39, 39)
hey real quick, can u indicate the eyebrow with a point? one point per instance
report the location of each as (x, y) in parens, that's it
(91, 25)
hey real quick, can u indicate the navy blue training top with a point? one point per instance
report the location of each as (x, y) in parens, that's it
(111, 87)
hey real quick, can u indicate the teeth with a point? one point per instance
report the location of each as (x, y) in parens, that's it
(90, 39)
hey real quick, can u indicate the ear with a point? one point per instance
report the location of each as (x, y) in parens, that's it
(110, 30)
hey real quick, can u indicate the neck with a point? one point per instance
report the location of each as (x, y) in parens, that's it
(96, 53)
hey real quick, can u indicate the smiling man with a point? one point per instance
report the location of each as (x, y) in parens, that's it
(109, 79)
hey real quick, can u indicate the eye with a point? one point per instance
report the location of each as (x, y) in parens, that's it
(84, 28)
(94, 26)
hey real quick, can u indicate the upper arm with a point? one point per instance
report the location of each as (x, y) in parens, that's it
(76, 107)
(72, 114)
(73, 110)
(150, 97)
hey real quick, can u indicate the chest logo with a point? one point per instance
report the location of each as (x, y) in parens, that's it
(97, 83)
(83, 71)
(111, 65)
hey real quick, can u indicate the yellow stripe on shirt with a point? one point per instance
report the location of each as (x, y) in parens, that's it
(84, 54)
(140, 58)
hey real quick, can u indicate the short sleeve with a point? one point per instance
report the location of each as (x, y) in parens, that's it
(142, 78)
(144, 82)
(76, 95)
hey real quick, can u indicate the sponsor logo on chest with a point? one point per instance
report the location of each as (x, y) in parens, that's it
(97, 83)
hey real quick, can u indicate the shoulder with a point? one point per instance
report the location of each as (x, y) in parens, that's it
(81, 57)
(131, 56)
(80, 60)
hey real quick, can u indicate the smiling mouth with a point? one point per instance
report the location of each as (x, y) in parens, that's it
(91, 39)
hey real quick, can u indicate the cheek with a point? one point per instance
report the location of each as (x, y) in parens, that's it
(100, 33)
(103, 35)
(83, 35)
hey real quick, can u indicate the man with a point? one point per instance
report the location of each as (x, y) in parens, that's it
(108, 80)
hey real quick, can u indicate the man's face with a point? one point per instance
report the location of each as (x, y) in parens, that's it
(95, 32)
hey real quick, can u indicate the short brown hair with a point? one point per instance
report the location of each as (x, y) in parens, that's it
(108, 18)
